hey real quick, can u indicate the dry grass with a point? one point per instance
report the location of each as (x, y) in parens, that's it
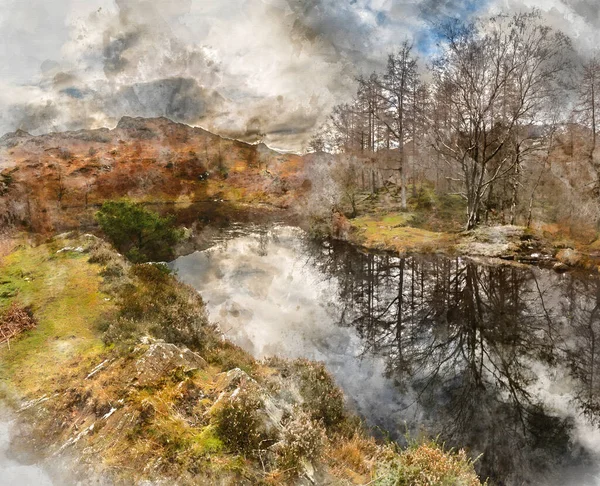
(356, 457)
(15, 321)
(390, 232)
(171, 427)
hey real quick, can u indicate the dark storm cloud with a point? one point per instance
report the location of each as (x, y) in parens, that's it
(279, 127)
(180, 99)
(114, 61)
(253, 69)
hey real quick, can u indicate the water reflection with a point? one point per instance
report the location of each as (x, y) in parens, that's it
(503, 360)
(468, 340)
(13, 472)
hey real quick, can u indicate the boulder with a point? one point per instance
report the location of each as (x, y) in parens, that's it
(560, 267)
(162, 358)
(569, 256)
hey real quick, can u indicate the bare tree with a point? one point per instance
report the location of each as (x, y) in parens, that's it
(494, 81)
(392, 102)
(87, 189)
(588, 106)
(61, 188)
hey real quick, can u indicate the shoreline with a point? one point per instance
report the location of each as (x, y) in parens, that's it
(502, 244)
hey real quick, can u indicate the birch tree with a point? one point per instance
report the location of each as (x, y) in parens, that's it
(495, 80)
(588, 107)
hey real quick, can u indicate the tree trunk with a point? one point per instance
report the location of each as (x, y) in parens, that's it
(402, 176)
(593, 120)
(373, 183)
(515, 190)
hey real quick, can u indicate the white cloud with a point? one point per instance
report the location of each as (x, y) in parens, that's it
(276, 66)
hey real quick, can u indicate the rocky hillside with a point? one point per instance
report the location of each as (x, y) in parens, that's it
(120, 379)
(53, 181)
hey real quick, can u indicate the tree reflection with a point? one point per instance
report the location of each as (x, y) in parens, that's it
(468, 341)
(582, 309)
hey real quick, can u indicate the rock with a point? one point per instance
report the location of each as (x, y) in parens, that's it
(560, 267)
(272, 410)
(78, 249)
(162, 358)
(233, 378)
(569, 256)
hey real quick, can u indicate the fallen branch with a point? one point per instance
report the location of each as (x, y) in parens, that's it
(15, 321)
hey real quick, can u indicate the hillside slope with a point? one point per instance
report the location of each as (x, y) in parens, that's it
(124, 380)
(50, 182)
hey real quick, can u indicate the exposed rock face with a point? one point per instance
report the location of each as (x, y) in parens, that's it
(569, 256)
(507, 242)
(492, 241)
(54, 181)
(162, 358)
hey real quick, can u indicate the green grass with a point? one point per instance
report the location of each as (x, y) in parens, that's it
(390, 231)
(63, 292)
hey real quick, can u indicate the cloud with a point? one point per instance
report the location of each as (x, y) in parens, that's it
(247, 68)
(180, 99)
(579, 19)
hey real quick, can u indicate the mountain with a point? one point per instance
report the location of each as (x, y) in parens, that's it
(54, 181)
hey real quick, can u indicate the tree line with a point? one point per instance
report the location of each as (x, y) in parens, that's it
(481, 120)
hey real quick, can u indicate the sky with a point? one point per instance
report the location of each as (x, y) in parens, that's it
(254, 70)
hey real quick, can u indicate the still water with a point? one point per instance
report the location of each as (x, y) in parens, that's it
(12, 471)
(502, 360)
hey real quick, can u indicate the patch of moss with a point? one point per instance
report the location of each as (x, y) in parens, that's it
(207, 441)
(390, 232)
(63, 291)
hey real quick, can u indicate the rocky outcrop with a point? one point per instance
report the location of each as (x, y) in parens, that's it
(163, 358)
(568, 256)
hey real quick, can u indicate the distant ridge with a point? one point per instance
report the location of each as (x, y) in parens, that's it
(142, 128)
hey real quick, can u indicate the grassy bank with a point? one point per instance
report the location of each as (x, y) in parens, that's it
(125, 373)
(431, 223)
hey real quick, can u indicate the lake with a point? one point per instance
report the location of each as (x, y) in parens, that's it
(503, 360)
(12, 471)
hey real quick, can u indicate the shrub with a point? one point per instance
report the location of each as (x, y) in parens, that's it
(237, 420)
(122, 330)
(323, 400)
(303, 438)
(425, 198)
(142, 235)
(428, 464)
(227, 356)
(166, 308)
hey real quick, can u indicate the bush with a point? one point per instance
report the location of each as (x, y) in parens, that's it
(155, 302)
(323, 400)
(237, 420)
(303, 438)
(425, 198)
(140, 234)
(428, 464)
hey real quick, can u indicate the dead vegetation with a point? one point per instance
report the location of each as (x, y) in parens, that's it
(158, 394)
(14, 321)
(48, 190)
